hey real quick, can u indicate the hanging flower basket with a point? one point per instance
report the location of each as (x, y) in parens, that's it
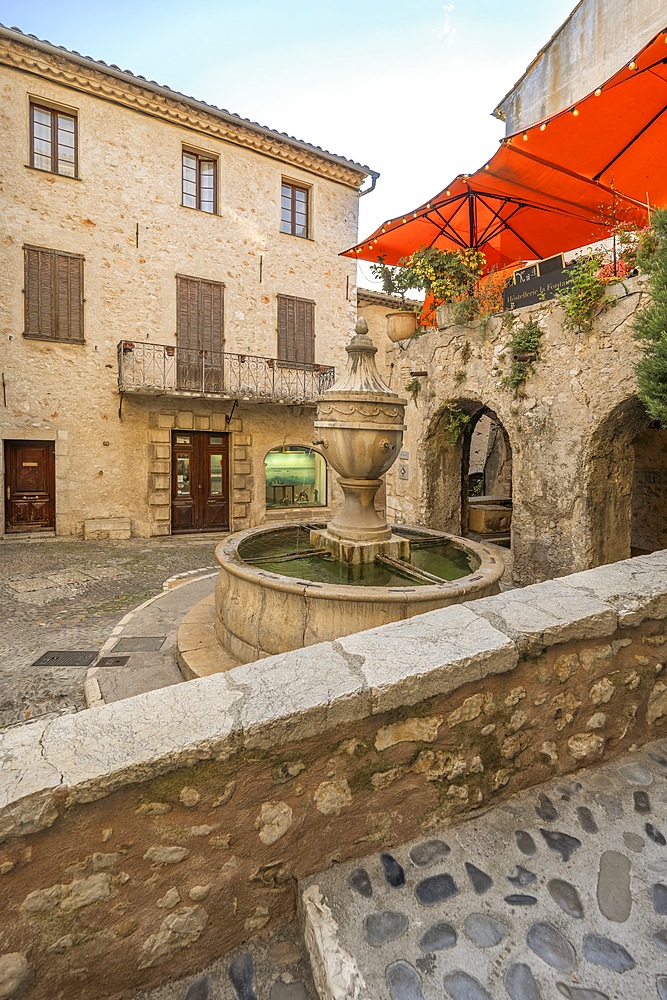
(401, 325)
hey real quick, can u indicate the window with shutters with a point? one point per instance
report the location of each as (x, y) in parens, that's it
(53, 295)
(296, 330)
(294, 210)
(53, 140)
(199, 334)
(200, 181)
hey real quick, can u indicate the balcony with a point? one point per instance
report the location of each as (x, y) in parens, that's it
(158, 369)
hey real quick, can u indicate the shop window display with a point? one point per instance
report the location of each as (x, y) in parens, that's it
(295, 477)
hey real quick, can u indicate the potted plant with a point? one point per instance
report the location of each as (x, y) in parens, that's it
(402, 323)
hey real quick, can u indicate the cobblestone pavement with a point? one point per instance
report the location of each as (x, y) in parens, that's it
(560, 892)
(66, 594)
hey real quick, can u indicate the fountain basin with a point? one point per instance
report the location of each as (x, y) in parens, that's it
(262, 611)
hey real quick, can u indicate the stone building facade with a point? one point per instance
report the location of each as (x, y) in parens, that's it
(170, 279)
(597, 38)
(584, 469)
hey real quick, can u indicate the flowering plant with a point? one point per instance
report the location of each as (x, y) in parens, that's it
(609, 272)
(447, 275)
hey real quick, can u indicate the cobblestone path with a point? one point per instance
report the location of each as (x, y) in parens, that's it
(560, 892)
(57, 594)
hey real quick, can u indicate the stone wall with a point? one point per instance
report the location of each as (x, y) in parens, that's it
(124, 214)
(570, 431)
(594, 42)
(144, 838)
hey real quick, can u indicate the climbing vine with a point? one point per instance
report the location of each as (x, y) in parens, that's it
(454, 421)
(524, 350)
(585, 295)
(650, 324)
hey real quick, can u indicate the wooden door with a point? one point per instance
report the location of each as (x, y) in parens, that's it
(200, 482)
(30, 486)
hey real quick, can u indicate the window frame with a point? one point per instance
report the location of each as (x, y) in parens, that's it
(306, 189)
(295, 505)
(53, 110)
(200, 156)
(55, 296)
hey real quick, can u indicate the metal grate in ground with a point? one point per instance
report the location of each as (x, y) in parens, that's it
(112, 661)
(66, 658)
(139, 644)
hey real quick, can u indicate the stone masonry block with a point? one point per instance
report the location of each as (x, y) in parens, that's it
(160, 465)
(162, 451)
(202, 423)
(635, 588)
(242, 496)
(160, 481)
(239, 482)
(239, 511)
(244, 440)
(546, 614)
(242, 468)
(235, 424)
(157, 498)
(166, 420)
(239, 454)
(185, 420)
(159, 435)
(219, 422)
(439, 651)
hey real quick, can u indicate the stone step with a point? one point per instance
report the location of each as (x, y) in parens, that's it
(561, 891)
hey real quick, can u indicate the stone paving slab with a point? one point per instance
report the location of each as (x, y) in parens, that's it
(273, 968)
(68, 594)
(560, 892)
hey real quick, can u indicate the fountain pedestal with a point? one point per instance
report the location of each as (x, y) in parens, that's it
(361, 422)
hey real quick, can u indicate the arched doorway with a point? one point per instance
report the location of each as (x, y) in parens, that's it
(486, 478)
(626, 485)
(467, 462)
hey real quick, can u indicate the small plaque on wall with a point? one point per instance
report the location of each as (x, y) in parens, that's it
(403, 467)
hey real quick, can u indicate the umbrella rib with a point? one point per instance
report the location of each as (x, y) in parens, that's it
(488, 233)
(630, 143)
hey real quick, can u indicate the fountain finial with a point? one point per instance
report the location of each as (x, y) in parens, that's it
(360, 374)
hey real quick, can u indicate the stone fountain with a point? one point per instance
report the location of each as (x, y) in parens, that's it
(287, 586)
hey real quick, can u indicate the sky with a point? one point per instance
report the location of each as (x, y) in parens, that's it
(405, 87)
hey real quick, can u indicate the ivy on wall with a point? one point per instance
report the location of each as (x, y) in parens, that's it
(650, 324)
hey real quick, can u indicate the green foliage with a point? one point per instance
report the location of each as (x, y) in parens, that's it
(395, 280)
(454, 421)
(585, 294)
(524, 349)
(650, 324)
(414, 387)
(466, 352)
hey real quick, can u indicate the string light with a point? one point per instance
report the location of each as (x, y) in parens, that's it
(543, 126)
(486, 166)
(575, 112)
(598, 91)
(632, 65)
(448, 192)
(525, 137)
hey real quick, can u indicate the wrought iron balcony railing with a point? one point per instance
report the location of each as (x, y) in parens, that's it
(159, 369)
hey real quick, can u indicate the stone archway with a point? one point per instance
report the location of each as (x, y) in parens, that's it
(447, 462)
(626, 492)
(486, 477)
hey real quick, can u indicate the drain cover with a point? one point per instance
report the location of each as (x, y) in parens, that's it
(112, 661)
(66, 658)
(139, 644)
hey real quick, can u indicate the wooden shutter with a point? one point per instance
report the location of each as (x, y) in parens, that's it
(199, 314)
(39, 311)
(296, 330)
(69, 297)
(211, 315)
(53, 294)
(305, 331)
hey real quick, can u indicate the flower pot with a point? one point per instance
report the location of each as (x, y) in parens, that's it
(401, 325)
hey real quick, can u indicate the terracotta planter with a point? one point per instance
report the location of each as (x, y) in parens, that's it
(401, 325)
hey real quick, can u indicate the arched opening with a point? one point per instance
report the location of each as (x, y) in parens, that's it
(486, 479)
(627, 485)
(468, 469)
(296, 476)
